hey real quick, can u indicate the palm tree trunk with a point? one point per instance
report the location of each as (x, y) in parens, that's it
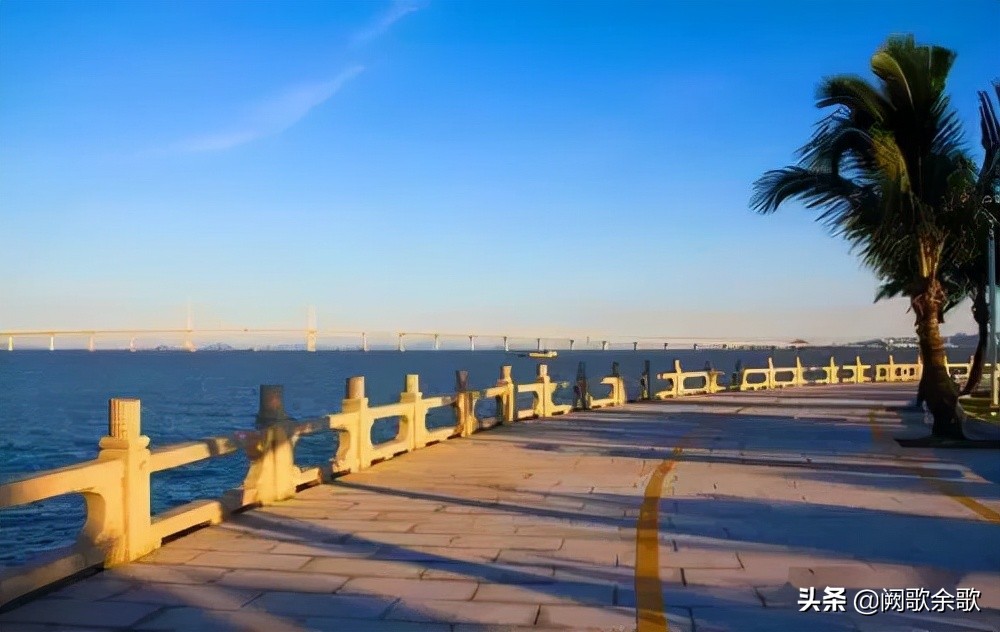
(939, 391)
(922, 384)
(981, 314)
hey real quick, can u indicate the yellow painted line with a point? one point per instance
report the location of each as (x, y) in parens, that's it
(944, 487)
(955, 494)
(649, 606)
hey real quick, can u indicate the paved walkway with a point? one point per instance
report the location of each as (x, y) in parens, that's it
(734, 502)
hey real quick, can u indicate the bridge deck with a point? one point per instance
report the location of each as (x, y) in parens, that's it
(534, 526)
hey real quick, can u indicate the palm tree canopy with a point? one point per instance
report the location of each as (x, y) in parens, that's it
(886, 168)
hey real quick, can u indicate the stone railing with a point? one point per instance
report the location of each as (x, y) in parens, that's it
(585, 400)
(782, 377)
(119, 527)
(681, 382)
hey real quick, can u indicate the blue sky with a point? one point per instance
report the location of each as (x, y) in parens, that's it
(476, 166)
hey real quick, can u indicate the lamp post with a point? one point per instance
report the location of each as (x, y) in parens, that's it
(992, 343)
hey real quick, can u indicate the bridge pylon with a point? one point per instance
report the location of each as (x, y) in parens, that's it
(311, 331)
(188, 339)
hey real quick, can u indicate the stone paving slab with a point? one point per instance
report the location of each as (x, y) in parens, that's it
(533, 527)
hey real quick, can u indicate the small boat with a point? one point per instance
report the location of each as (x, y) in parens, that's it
(543, 354)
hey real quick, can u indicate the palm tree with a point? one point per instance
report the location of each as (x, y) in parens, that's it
(975, 271)
(965, 271)
(886, 169)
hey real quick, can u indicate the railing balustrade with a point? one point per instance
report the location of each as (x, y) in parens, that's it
(119, 527)
(116, 486)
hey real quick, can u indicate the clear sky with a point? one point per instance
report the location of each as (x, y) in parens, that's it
(476, 166)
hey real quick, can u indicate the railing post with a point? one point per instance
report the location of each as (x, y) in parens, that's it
(348, 457)
(542, 400)
(770, 372)
(646, 382)
(618, 389)
(678, 379)
(712, 383)
(800, 373)
(737, 383)
(465, 405)
(580, 391)
(273, 474)
(892, 370)
(507, 403)
(126, 529)
(413, 424)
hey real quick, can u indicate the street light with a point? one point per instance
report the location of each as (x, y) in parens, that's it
(992, 343)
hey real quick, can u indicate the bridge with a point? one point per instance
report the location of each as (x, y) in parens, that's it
(309, 338)
(701, 506)
(310, 335)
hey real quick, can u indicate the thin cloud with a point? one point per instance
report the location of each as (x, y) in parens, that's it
(271, 116)
(384, 21)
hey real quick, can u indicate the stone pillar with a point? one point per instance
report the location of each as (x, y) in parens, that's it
(618, 388)
(800, 373)
(833, 372)
(507, 403)
(465, 405)
(581, 394)
(273, 473)
(125, 528)
(678, 378)
(348, 457)
(506, 344)
(412, 425)
(646, 382)
(542, 400)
